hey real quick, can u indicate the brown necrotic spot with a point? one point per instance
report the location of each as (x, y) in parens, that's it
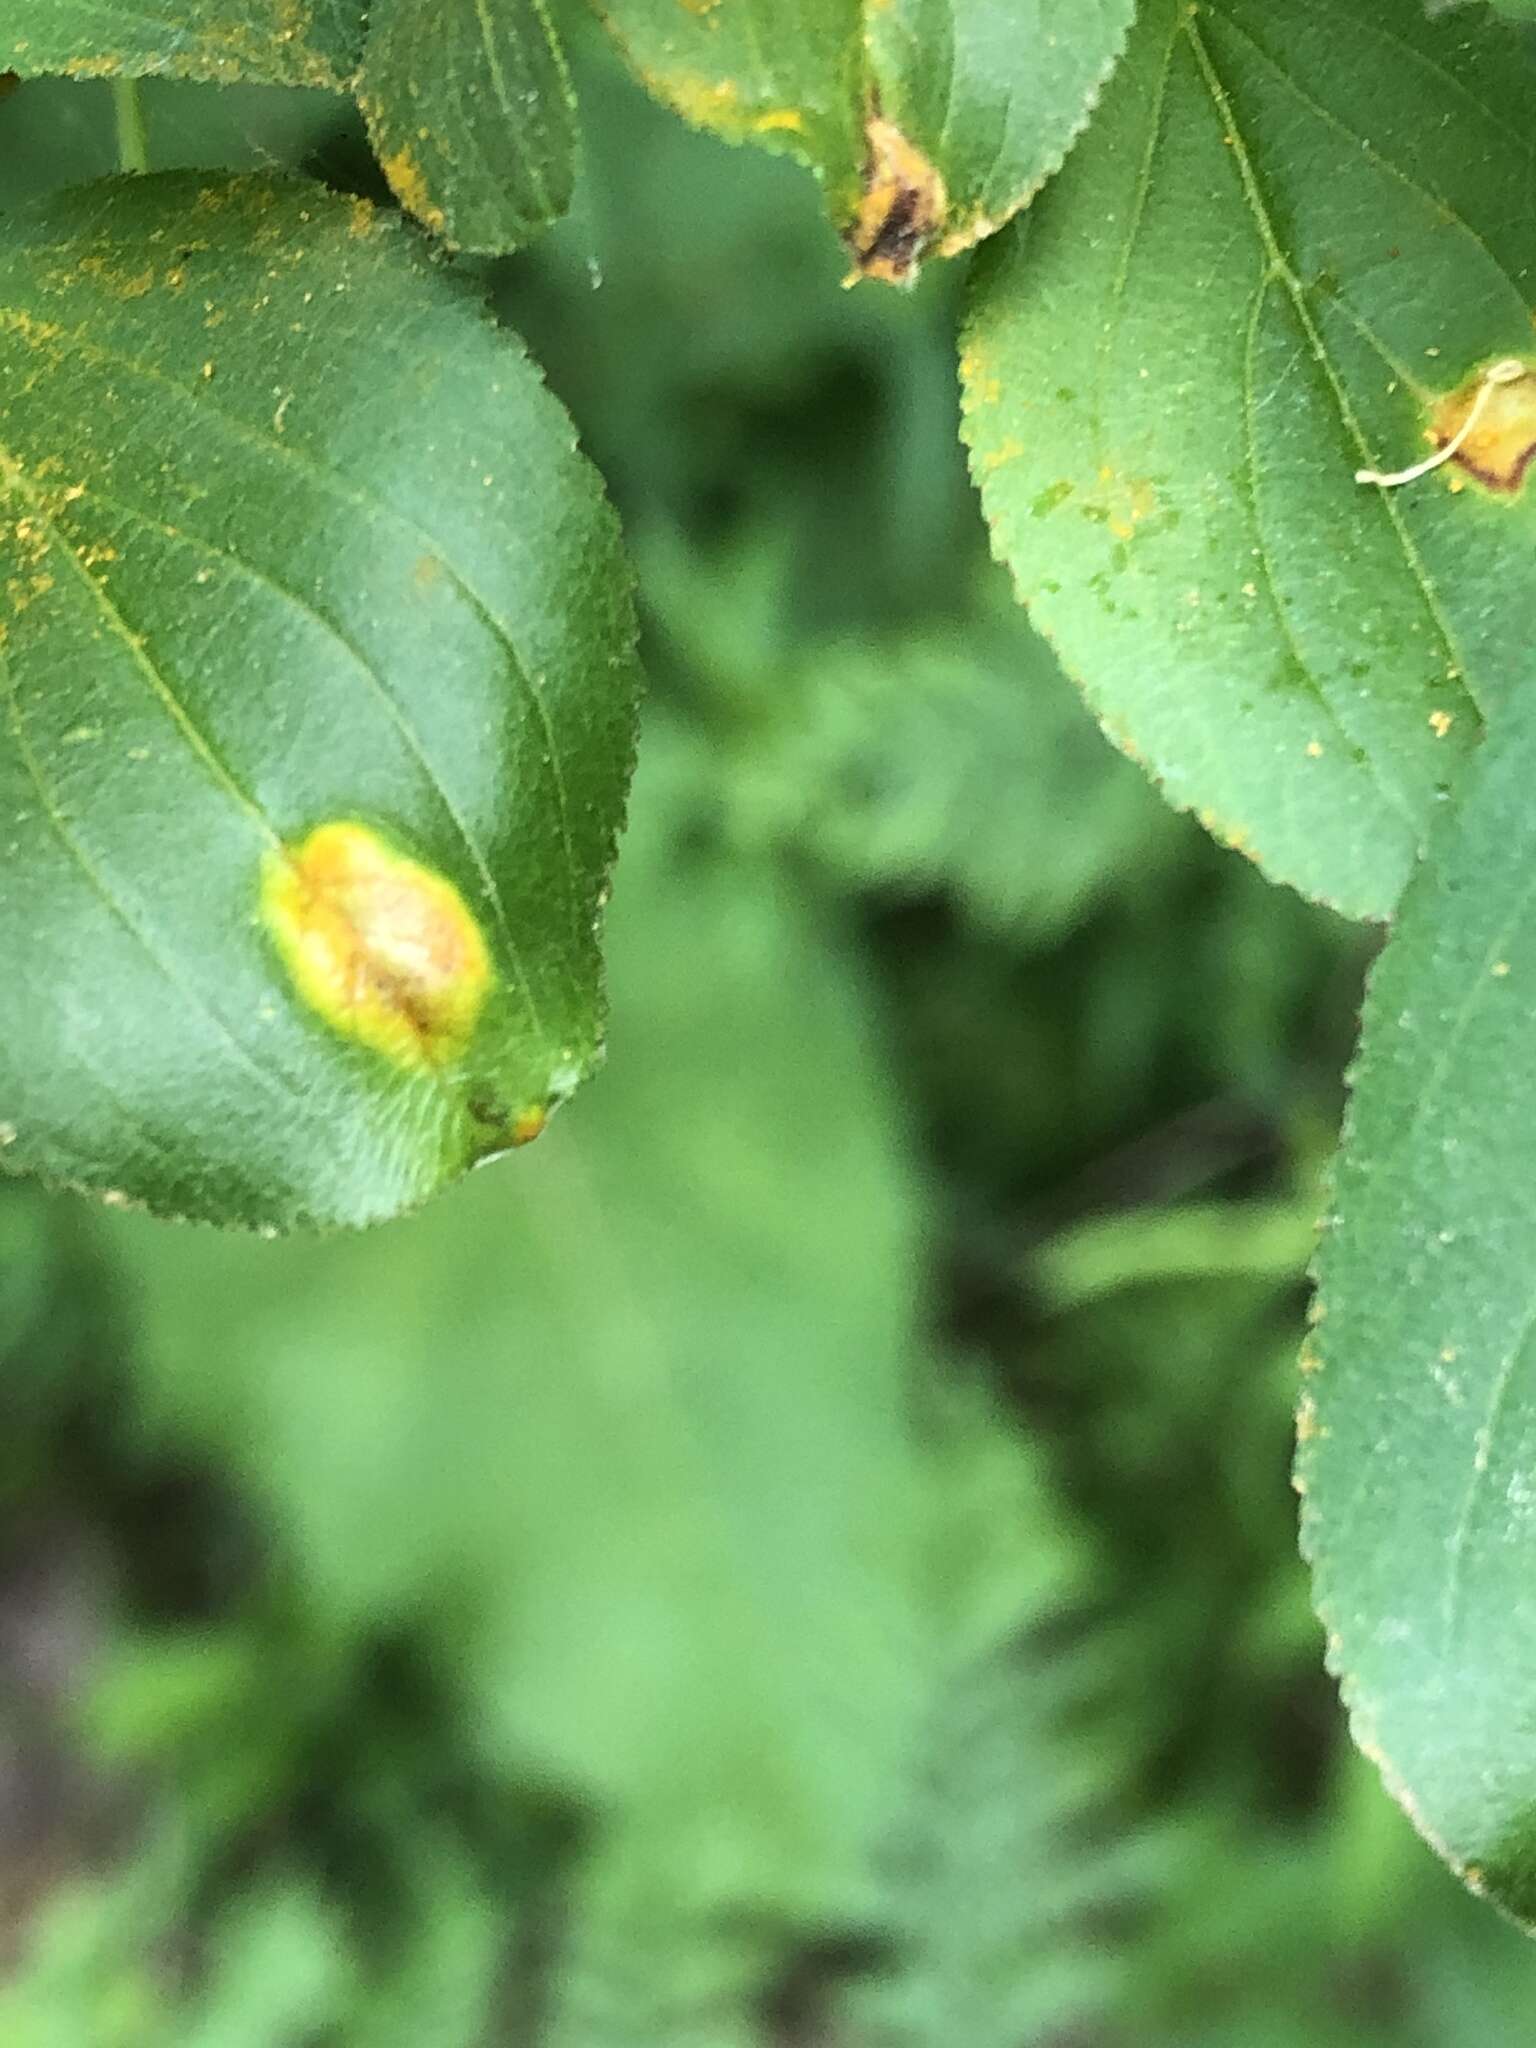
(382, 948)
(1487, 427)
(1490, 425)
(903, 208)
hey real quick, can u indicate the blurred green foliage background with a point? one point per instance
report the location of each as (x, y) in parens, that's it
(805, 1557)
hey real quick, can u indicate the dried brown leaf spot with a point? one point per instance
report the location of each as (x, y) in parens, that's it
(1498, 444)
(903, 208)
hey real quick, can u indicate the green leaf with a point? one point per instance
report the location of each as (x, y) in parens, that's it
(992, 92)
(469, 106)
(316, 690)
(1293, 239)
(785, 73)
(471, 111)
(1418, 1423)
(930, 122)
(272, 42)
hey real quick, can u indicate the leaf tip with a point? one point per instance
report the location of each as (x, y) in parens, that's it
(408, 182)
(903, 209)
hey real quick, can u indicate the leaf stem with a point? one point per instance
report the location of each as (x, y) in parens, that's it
(132, 137)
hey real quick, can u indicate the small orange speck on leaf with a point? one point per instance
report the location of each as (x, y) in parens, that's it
(529, 1125)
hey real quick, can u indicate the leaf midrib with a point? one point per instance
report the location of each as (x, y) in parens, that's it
(1146, 177)
(1285, 272)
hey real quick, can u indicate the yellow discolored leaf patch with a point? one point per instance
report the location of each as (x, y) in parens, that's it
(408, 182)
(1490, 422)
(905, 205)
(380, 947)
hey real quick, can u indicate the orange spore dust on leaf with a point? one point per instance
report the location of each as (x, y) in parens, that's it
(905, 205)
(408, 182)
(380, 947)
(1501, 443)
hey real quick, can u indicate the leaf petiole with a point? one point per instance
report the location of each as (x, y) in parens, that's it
(132, 136)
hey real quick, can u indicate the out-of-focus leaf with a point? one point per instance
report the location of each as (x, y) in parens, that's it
(991, 1860)
(1418, 1423)
(929, 122)
(956, 759)
(471, 112)
(1291, 243)
(319, 686)
(278, 1970)
(273, 42)
(1209, 1240)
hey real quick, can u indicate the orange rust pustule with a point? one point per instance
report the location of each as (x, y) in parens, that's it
(381, 947)
(1501, 447)
(904, 207)
(530, 1125)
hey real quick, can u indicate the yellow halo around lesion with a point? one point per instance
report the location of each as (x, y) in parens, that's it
(381, 947)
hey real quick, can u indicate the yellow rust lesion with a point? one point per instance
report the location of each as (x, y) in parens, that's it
(904, 206)
(713, 103)
(278, 50)
(980, 383)
(384, 949)
(1490, 424)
